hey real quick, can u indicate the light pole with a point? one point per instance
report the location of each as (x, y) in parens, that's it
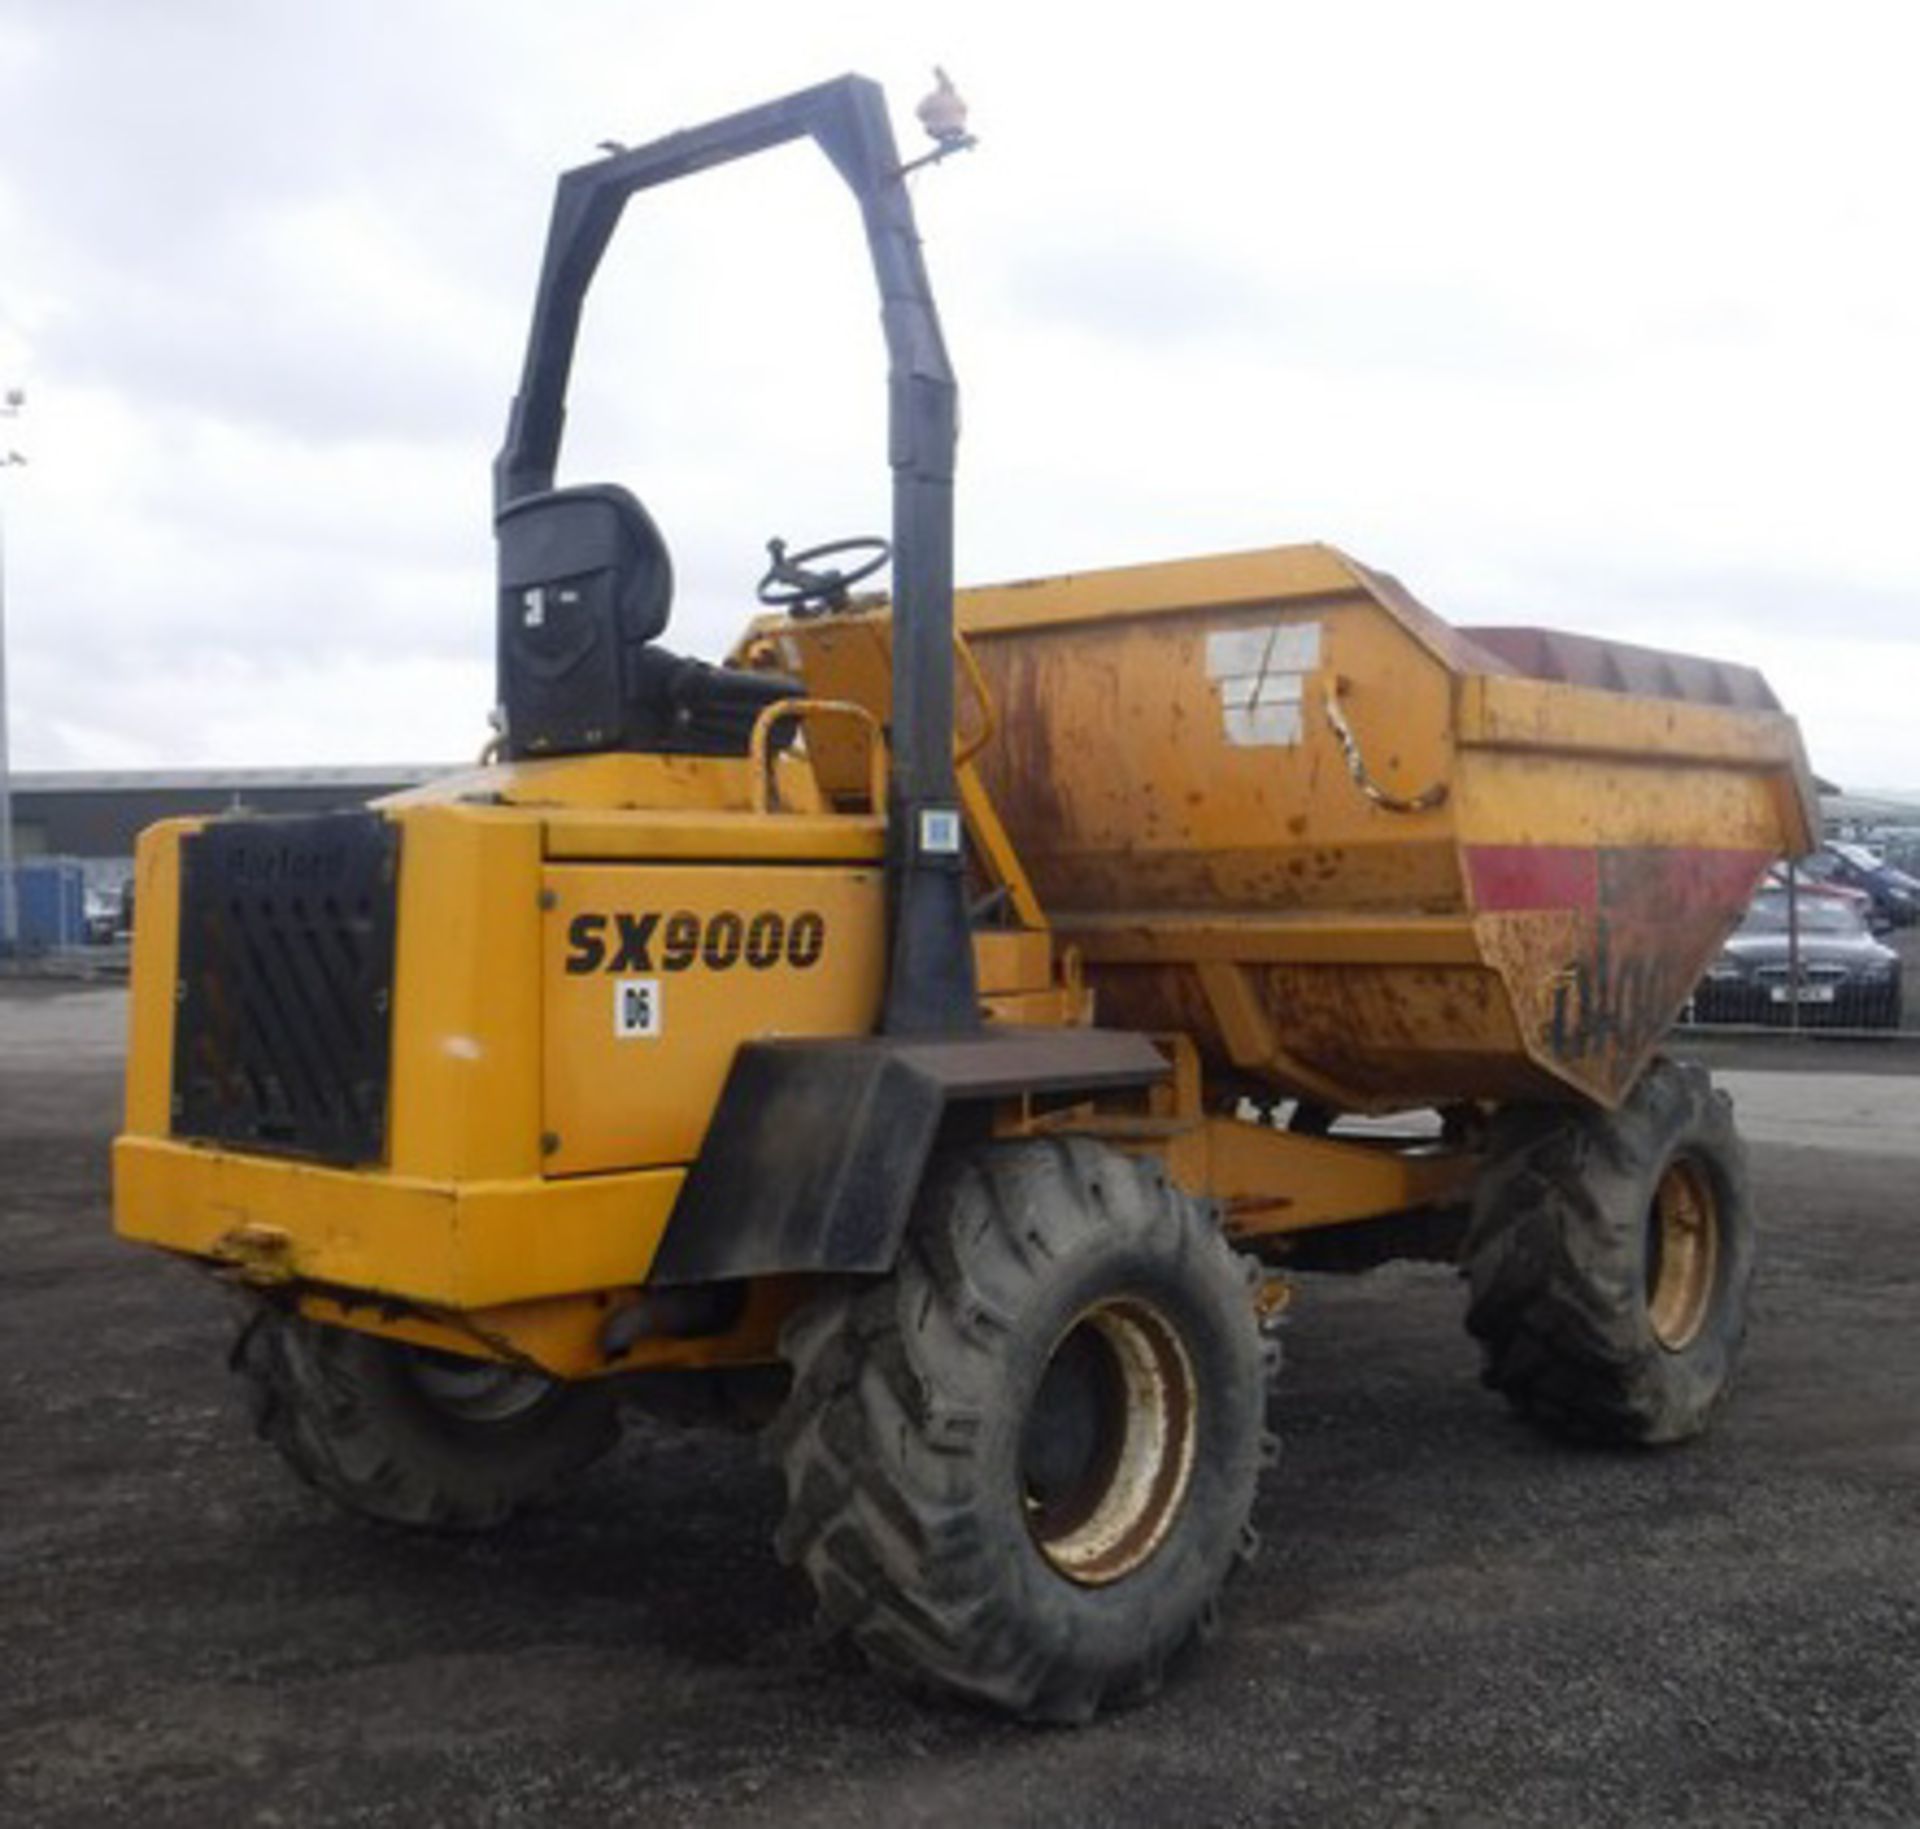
(9, 898)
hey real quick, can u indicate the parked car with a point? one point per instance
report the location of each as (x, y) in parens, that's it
(1804, 883)
(1902, 850)
(1847, 978)
(1894, 894)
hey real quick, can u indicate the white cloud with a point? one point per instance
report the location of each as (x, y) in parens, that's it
(1603, 317)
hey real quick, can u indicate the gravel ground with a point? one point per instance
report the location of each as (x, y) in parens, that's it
(1452, 1621)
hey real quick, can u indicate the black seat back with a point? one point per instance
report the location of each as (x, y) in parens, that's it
(585, 583)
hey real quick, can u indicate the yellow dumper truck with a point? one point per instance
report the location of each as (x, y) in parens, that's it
(933, 1034)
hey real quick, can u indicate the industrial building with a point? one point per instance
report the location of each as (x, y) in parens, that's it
(96, 815)
(88, 820)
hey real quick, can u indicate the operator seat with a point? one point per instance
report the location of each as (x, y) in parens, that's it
(586, 585)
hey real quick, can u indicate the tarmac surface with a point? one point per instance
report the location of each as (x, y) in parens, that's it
(1452, 1620)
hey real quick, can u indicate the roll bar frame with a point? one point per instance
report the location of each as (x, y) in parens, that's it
(930, 978)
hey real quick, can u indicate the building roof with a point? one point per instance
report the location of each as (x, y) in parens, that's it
(1871, 804)
(220, 780)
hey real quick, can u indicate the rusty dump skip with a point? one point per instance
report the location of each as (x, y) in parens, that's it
(1354, 853)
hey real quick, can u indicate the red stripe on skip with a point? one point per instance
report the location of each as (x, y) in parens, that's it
(1628, 879)
(1532, 876)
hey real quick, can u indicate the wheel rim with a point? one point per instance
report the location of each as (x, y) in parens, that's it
(1107, 1449)
(1683, 1253)
(477, 1390)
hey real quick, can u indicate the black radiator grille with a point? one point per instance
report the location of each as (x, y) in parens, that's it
(281, 1039)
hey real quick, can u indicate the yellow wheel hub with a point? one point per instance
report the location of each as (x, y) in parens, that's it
(1108, 1447)
(1683, 1253)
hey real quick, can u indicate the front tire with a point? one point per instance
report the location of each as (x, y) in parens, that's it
(1020, 1469)
(414, 1437)
(1609, 1259)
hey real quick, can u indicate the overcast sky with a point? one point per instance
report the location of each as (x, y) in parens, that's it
(1598, 316)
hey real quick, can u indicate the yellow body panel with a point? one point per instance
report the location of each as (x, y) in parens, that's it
(466, 1000)
(1272, 1181)
(450, 1244)
(567, 1337)
(716, 838)
(1224, 581)
(674, 786)
(156, 947)
(635, 1057)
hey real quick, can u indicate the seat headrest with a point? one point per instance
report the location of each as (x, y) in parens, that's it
(592, 527)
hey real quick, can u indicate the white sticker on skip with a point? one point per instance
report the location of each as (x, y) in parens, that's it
(1262, 726)
(636, 1009)
(1261, 674)
(1237, 653)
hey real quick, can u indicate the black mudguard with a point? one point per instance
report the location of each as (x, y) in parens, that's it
(816, 1150)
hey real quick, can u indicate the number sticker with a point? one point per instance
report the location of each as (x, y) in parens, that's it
(636, 1008)
(939, 832)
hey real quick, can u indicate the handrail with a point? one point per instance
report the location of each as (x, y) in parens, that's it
(966, 748)
(765, 798)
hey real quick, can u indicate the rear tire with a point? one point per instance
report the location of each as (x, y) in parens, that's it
(414, 1437)
(1609, 1259)
(1020, 1468)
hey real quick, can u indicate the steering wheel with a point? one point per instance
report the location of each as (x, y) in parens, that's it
(791, 584)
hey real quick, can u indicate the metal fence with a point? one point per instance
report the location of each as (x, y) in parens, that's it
(1812, 958)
